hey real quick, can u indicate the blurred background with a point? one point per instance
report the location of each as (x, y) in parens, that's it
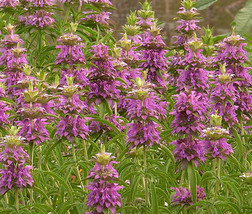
(220, 14)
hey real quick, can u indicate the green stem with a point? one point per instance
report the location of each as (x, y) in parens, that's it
(77, 169)
(115, 108)
(32, 160)
(17, 200)
(145, 176)
(218, 175)
(6, 198)
(85, 156)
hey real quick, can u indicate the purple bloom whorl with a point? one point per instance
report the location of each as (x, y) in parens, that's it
(141, 107)
(72, 126)
(102, 76)
(153, 54)
(187, 23)
(33, 130)
(231, 54)
(183, 196)
(223, 97)
(189, 150)
(9, 3)
(103, 190)
(40, 19)
(71, 52)
(189, 112)
(14, 174)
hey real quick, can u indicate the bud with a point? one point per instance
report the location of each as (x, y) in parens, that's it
(27, 70)
(125, 43)
(215, 119)
(117, 52)
(132, 18)
(214, 133)
(224, 77)
(136, 152)
(131, 30)
(155, 31)
(103, 158)
(10, 29)
(188, 4)
(139, 82)
(73, 27)
(12, 139)
(195, 44)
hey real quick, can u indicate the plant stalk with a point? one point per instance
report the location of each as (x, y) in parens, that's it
(145, 176)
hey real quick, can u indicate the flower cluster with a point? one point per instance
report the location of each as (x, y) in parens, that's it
(71, 52)
(189, 112)
(39, 19)
(215, 142)
(141, 107)
(102, 76)
(13, 59)
(104, 191)
(69, 106)
(231, 53)
(187, 23)
(15, 174)
(183, 196)
(153, 55)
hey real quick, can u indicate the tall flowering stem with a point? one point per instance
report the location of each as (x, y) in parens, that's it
(216, 145)
(104, 196)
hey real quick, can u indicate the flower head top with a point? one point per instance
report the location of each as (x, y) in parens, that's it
(71, 52)
(215, 142)
(187, 23)
(146, 15)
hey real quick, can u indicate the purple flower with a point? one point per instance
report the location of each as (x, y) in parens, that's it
(183, 196)
(140, 134)
(103, 191)
(187, 24)
(142, 109)
(153, 54)
(103, 196)
(14, 173)
(14, 58)
(218, 148)
(13, 176)
(9, 3)
(223, 96)
(99, 18)
(42, 3)
(4, 114)
(71, 127)
(34, 130)
(102, 76)
(189, 112)
(40, 19)
(71, 52)
(189, 150)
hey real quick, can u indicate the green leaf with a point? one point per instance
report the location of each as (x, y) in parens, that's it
(243, 18)
(230, 206)
(203, 4)
(61, 181)
(45, 207)
(154, 199)
(192, 181)
(108, 123)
